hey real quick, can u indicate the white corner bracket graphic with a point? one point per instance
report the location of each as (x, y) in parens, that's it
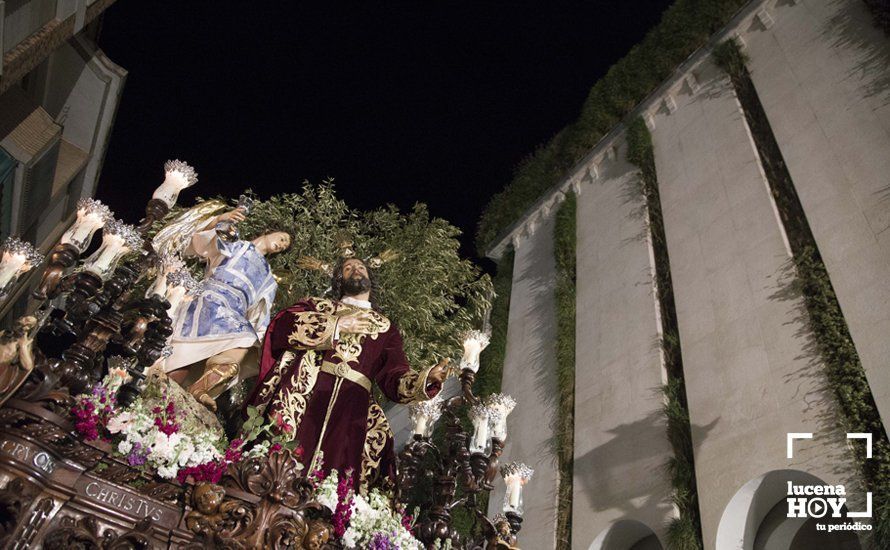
(867, 512)
(791, 437)
(866, 437)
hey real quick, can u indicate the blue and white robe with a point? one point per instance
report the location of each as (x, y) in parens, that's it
(231, 309)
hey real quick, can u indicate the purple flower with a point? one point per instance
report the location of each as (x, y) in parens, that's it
(137, 456)
(382, 541)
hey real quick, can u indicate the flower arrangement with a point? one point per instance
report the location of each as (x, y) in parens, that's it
(151, 432)
(155, 432)
(363, 521)
(92, 411)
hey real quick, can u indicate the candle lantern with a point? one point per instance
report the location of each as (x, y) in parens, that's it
(177, 176)
(117, 240)
(17, 257)
(424, 416)
(474, 342)
(500, 406)
(180, 284)
(166, 265)
(480, 442)
(91, 215)
(515, 476)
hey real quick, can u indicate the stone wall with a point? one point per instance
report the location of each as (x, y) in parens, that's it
(821, 70)
(530, 377)
(750, 375)
(821, 73)
(619, 428)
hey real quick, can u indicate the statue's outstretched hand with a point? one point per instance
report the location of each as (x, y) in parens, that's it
(234, 216)
(440, 372)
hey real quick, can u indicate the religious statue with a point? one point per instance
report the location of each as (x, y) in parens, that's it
(16, 356)
(231, 310)
(317, 366)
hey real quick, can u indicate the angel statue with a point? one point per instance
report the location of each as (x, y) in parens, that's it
(230, 310)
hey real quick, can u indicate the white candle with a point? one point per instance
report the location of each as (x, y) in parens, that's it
(480, 437)
(425, 414)
(420, 424)
(514, 492)
(175, 295)
(82, 231)
(474, 343)
(91, 215)
(179, 175)
(11, 265)
(113, 246)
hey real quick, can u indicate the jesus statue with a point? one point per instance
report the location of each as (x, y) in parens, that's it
(319, 360)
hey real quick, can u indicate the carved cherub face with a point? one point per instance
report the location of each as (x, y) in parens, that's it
(319, 533)
(208, 498)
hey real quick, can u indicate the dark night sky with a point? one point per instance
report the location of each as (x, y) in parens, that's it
(401, 102)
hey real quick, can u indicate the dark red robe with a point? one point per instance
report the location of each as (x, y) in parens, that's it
(294, 388)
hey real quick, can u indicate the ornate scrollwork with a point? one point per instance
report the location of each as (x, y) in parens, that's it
(84, 533)
(278, 520)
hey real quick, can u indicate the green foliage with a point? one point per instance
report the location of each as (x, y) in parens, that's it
(684, 27)
(565, 241)
(847, 381)
(491, 362)
(729, 56)
(684, 532)
(433, 294)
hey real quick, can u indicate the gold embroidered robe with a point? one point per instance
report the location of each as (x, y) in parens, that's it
(305, 381)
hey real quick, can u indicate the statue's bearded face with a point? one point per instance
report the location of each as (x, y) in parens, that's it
(355, 277)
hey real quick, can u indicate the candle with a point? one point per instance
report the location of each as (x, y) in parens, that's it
(117, 239)
(480, 441)
(474, 343)
(177, 176)
(18, 257)
(501, 405)
(166, 265)
(180, 284)
(515, 476)
(91, 215)
(424, 415)
(514, 490)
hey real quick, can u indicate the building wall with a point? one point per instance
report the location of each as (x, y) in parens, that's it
(620, 430)
(530, 377)
(821, 70)
(750, 376)
(821, 73)
(56, 81)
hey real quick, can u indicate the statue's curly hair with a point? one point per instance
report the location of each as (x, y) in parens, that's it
(337, 292)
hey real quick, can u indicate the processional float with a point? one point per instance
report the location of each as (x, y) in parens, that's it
(87, 322)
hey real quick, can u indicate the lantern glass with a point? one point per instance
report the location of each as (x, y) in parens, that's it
(117, 240)
(17, 257)
(91, 216)
(424, 415)
(177, 176)
(474, 343)
(513, 497)
(480, 442)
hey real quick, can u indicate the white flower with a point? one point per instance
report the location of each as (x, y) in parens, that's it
(119, 422)
(186, 450)
(167, 472)
(124, 446)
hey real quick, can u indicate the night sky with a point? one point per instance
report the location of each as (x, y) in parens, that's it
(400, 102)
